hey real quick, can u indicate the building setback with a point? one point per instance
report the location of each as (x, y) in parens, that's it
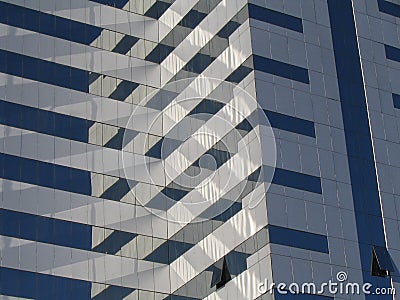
(195, 149)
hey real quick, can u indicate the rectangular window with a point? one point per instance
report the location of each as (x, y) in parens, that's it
(298, 239)
(392, 53)
(275, 17)
(48, 24)
(285, 70)
(396, 100)
(389, 8)
(292, 124)
(45, 174)
(297, 180)
(44, 71)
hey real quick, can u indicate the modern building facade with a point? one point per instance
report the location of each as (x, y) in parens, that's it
(195, 149)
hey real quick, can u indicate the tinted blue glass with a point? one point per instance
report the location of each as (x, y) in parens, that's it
(176, 249)
(229, 213)
(45, 230)
(125, 44)
(198, 63)
(174, 194)
(384, 260)
(216, 270)
(159, 255)
(358, 140)
(237, 262)
(159, 53)
(298, 239)
(389, 7)
(114, 242)
(18, 283)
(239, 74)
(123, 136)
(396, 100)
(47, 175)
(275, 17)
(118, 190)
(33, 20)
(43, 121)
(48, 72)
(9, 224)
(245, 125)
(228, 29)
(220, 157)
(157, 9)
(168, 252)
(11, 166)
(297, 180)
(113, 292)
(289, 123)
(392, 53)
(207, 106)
(155, 151)
(281, 69)
(192, 19)
(123, 90)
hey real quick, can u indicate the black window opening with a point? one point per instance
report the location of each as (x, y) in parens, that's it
(382, 265)
(221, 274)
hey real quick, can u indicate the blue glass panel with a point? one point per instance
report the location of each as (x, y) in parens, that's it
(175, 194)
(176, 249)
(389, 7)
(192, 19)
(155, 151)
(237, 262)
(281, 69)
(275, 18)
(392, 53)
(396, 100)
(43, 121)
(291, 124)
(45, 230)
(384, 259)
(297, 180)
(157, 9)
(207, 106)
(228, 29)
(239, 74)
(114, 292)
(358, 140)
(117, 191)
(123, 90)
(114, 242)
(159, 53)
(24, 284)
(198, 63)
(37, 21)
(159, 255)
(48, 72)
(123, 136)
(169, 251)
(125, 44)
(227, 214)
(47, 175)
(298, 239)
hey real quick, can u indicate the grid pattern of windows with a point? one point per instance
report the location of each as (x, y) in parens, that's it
(89, 194)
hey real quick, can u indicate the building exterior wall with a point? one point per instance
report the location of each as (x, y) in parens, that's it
(113, 112)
